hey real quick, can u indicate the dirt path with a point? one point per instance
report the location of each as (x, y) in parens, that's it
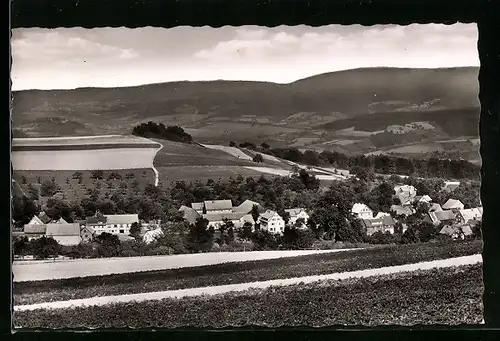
(48, 269)
(157, 175)
(245, 286)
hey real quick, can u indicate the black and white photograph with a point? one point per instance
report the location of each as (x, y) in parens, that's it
(246, 176)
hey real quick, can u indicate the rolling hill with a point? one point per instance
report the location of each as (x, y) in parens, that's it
(338, 111)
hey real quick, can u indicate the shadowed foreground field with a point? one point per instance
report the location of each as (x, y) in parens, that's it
(440, 296)
(237, 272)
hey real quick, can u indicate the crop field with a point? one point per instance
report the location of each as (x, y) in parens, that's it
(83, 153)
(417, 148)
(237, 153)
(221, 274)
(169, 175)
(73, 189)
(440, 296)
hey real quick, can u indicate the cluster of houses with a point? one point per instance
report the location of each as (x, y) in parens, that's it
(83, 230)
(457, 220)
(217, 212)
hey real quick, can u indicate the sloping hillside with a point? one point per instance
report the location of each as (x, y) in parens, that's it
(307, 112)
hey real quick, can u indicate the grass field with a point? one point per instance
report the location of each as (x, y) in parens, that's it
(439, 296)
(241, 272)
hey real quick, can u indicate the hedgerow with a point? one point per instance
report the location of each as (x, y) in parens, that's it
(238, 272)
(440, 296)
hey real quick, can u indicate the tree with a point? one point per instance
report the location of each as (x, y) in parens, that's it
(255, 213)
(246, 231)
(57, 208)
(263, 240)
(48, 188)
(232, 144)
(258, 158)
(426, 231)
(77, 175)
(135, 230)
(33, 192)
(230, 236)
(108, 245)
(265, 145)
(21, 246)
(97, 174)
(44, 247)
(199, 238)
(23, 180)
(410, 236)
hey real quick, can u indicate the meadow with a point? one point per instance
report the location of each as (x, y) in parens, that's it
(450, 296)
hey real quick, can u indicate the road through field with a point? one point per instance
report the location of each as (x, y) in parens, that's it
(45, 270)
(214, 290)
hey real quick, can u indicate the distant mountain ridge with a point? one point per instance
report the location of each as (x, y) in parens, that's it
(219, 111)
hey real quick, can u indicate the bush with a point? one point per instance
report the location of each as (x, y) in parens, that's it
(258, 158)
(264, 240)
(154, 130)
(44, 247)
(382, 238)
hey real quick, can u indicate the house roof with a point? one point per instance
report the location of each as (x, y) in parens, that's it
(401, 210)
(452, 203)
(449, 230)
(295, 211)
(435, 208)
(97, 218)
(423, 198)
(190, 214)
(357, 208)
(470, 214)
(466, 230)
(246, 206)
(268, 215)
(44, 217)
(383, 221)
(35, 229)
(81, 222)
(88, 228)
(122, 218)
(248, 218)
(221, 216)
(63, 229)
(444, 215)
(404, 188)
(35, 221)
(197, 206)
(450, 186)
(218, 205)
(60, 221)
(382, 215)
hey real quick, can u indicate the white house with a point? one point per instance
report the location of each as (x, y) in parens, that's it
(362, 211)
(272, 222)
(296, 214)
(405, 193)
(422, 199)
(112, 223)
(470, 214)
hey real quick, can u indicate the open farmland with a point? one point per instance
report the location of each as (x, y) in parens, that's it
(45, 270)
(83, 153)
(254, 273)
(439, 296)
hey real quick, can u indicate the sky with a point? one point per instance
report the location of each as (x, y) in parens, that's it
(68, 58)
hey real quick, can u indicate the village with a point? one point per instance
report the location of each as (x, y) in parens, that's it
(455, 221)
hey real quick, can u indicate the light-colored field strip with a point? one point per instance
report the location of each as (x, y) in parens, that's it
(157, 175)
(283, 172)
(233, 151)
(46, 270)
(214, 290)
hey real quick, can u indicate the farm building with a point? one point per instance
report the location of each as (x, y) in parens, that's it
(247, 206)
(361, 211)
(272, 222)
(296, 214)
(112, 223)
(213, 206)
(238, 219)
(64, 234)
(457, 232)
(453, 204)
(446, 217)
(466, 216)
(34, 231)
(384, 224)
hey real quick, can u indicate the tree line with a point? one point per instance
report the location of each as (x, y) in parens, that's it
(159, 131)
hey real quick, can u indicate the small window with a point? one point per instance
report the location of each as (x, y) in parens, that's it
(122, 231)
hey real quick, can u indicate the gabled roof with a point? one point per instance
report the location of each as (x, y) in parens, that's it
(190, 214)
(381, 215)
(466, 230)
(405, 188)
(268, 215)
(246, 206)
(449, 230)
(452, 203)
(63, 230)
(358, 208)
(435, 208)
(44, 217)
(445, 215)
(122, 218)
(423, 198)
(402, 210)
(218, 205)
(35, 229)
(35, 221)
(60, 221)
(470, 214)
(197, 206)
(97, 218)
(221, 216)
(295, 211)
